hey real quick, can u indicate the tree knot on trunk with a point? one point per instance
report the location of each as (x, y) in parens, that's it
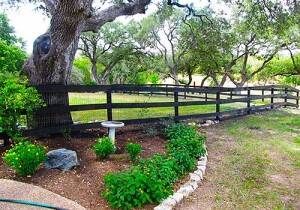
(42, 48)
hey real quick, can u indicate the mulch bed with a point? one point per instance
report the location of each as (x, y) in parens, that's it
(84, 183)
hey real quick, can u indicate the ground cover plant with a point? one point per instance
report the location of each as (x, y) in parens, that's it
(152, 179)
(253, 163)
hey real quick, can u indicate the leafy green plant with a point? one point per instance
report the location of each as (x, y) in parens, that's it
(153, 178)
(15, 98)
(140, 184)
(66, 133)
(164, 167)
(127, 189)
(104, 147)
(25, 157)
(134, 150)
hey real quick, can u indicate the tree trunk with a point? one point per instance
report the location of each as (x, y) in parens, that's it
(94, 73)
(190, 74)
(54, 51)
(203, 81)
(53, 55)
(54, 119)
(175, 76)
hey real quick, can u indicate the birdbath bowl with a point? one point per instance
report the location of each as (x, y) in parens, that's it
(112, 125)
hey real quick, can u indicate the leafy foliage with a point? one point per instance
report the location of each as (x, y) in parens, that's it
(84, 65)
(11, 58)
(134, 151)
(7, 32)
(104, 147)
(153, 178)
(15, 98)
(25, 157)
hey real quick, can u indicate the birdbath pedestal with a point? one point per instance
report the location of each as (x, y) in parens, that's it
(112, 125)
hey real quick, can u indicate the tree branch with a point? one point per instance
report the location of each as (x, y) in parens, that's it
(190, 10)
(110, 14)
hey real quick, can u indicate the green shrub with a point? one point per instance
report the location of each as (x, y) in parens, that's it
(147, 183)
(185, 162)
(134, 150)
(15, 98)
(104, 147)
(25, 157)
(192, 147)
(184, 137)
(126, 190)
(152, 180)
(165, 167)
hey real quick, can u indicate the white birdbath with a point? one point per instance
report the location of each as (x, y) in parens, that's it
(112, 125)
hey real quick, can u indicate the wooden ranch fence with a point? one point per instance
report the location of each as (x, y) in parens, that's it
(181, 96)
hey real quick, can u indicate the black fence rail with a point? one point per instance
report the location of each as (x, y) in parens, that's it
(252, 98)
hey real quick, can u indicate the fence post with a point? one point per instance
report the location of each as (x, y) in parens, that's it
(205, 96)
(109, 105)
(176, 110)
(286, 94)
(248, 101)
(297, 100)
(151, 85)
(167, 93)
(217, 104)
(230, 94)
(272, 98)
(263, 95)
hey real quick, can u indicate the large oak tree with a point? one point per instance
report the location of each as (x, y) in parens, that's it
(54, 51)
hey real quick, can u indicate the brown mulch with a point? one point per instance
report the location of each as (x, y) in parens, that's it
(84, 183)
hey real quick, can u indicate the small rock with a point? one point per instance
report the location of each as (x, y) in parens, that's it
(185, 190)
(204, 158)
(62, 159)
(195, 177)
(201, 163)
(169, 202)
(202, 168)
(199, 173)
(77, 123)
(210, 122)
(177, 197)
(192, 183)
(204, 125)
(163, 207)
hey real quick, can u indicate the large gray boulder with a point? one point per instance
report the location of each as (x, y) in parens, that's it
(62, 159)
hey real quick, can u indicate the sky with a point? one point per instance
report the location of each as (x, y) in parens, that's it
(29, 24)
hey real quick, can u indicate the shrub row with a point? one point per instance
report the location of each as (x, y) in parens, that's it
(153, 178)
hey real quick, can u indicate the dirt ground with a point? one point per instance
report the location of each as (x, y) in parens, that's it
(84, 183)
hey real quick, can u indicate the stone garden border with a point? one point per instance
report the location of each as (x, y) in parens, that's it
(185, 190)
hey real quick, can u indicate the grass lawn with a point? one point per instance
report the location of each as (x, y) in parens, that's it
(118, 114)
(254, 163)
